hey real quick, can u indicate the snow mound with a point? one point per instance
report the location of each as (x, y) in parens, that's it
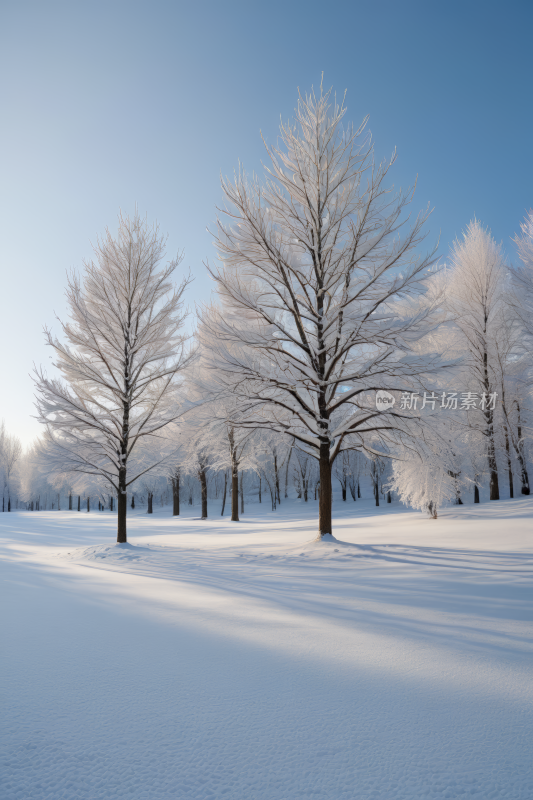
(114, 553)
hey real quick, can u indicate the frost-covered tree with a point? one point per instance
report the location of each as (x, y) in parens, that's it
(476, 296)
(523, 276)
(342, 470)
(303, 471)
(320, 288)
(10, 454)
(220, 423)
(425, 474)
(124, 349)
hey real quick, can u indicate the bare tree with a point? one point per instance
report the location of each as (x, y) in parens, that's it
(123, 353)
(320, 289)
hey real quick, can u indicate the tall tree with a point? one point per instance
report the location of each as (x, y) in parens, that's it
(320, 288)
(124, 349)
(476, 296)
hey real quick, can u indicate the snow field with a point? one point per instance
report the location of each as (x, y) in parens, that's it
(220, 660)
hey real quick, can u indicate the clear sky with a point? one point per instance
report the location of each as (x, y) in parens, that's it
(105, 105)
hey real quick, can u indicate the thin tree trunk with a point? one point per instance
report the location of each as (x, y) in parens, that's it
(476, 493)
(242, 491)
(358, 490)
(122, 504)
(520, 453)
(287, 470)
(203, 485)
(509, 463)
(122, 508)
(260, 489)
(150, 503)
(70, 502)
(276, 472)
(133, 501)
(58, 501)
(491, 450)
(389, 498)
(325, 497)
(225, 492)
(79, 503)
(176, 495)
(88, 504)
(235, 494)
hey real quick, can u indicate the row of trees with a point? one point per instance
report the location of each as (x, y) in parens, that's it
(324, 298)
(273, 473)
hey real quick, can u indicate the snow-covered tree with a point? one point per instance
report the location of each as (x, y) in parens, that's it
(10, 454)
(425, 474)
(303, 471)
(320, 289)
(523, 276)
(124, 349)
(476, 296)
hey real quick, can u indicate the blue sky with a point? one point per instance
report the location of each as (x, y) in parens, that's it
(110, 104)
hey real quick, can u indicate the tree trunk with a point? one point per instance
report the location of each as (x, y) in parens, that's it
(260, 489)
(287, 470)
(476, 494)
(358, 490)
(376, 493)
(150, 503)
(79, 503)
(70, 502)
(235, 494)
(225, 492)
(343, 488)
(133, 501)
(176, 496)
(122, 507)
(203, 485)
(491, 450)
(509, 463)
(325, 496)
(58, 500)
(520, 453)
(389, 498)
(494, 484)
(242, 491)
(88, 504)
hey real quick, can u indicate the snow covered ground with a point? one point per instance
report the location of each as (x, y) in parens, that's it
(210, 660)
